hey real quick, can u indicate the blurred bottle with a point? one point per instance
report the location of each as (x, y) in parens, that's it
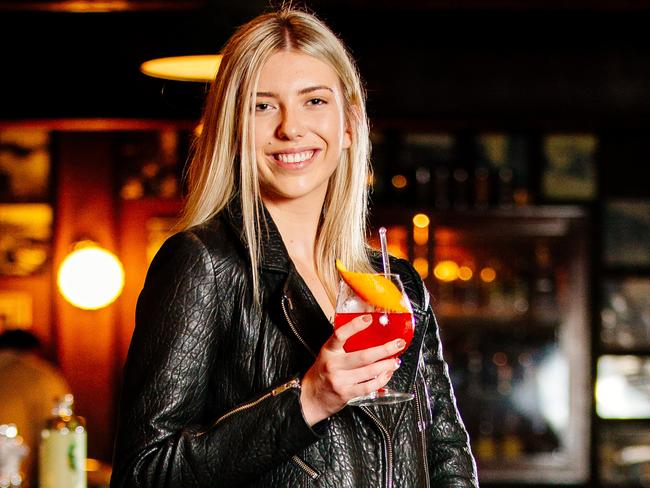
(400, 188)
(422, 184)
(461, 189)
(545, 305)
(441, 187)
(62, 455)
(12, 452)
(482, 188)
(505, 187)
(486, 446)
(512, 445)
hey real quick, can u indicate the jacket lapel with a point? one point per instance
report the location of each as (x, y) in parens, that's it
(308, 319)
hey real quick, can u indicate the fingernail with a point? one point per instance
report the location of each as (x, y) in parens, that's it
(398, 361)
(367, 319)
(400, 343)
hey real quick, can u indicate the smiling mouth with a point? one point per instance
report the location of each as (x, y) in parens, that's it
(294, 158)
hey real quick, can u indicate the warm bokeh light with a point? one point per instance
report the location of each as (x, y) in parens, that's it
(446, 270)
(202, 67)
(421, 235)
(399, 181)
(420, 229)
(90, 277)
(488, 274)
(421, 265)
(420, 220)
(465, 273)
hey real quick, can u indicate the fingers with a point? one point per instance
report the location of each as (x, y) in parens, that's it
(373, 354)
(372, 371)
(367, 387)
(346, 331)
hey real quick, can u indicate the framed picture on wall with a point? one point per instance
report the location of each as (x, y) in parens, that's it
(24, 165)
(624, 454)
(625, 313)
(505, 159)
(569, 172)
(151, 163)
(626, 229)
(25, 238)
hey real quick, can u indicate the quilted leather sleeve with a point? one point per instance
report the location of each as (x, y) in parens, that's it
(451, 463)
(163, 439)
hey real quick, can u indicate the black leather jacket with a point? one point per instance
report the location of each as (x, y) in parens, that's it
(211, 399)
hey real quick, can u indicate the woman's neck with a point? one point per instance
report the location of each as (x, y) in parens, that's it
(298, 223)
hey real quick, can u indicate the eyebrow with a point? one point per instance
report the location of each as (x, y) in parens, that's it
(300, 92)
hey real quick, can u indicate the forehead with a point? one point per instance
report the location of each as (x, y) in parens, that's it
(292, 69)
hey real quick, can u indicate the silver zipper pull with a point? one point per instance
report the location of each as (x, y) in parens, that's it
(288, 300)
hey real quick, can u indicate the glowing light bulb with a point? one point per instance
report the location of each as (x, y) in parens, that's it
(90, 277)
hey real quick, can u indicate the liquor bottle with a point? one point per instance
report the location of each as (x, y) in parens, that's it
(544, 299)
(441, 187)
(482, 188)
(505, 190)
(422, 184)
(12, 452)
(62, 453)
(461, 188)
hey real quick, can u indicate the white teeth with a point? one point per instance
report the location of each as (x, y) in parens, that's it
(295, 157)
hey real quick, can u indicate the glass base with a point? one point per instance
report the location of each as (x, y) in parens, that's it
(383, 396)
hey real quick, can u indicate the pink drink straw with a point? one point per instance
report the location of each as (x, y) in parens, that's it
(384, 251)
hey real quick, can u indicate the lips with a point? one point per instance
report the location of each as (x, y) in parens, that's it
(295, 159)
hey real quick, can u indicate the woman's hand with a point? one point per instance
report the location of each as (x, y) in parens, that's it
(338, 376)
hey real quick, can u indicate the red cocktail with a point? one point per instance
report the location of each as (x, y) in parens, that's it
(381, 296)
(385, 327)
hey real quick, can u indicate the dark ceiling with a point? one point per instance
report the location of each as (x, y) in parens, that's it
(421, 60)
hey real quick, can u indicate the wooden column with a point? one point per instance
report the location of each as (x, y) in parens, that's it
(86, 339)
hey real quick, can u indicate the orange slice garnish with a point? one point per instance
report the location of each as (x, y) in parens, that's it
(375, 289)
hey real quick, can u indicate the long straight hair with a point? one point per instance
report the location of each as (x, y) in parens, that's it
(224, 162)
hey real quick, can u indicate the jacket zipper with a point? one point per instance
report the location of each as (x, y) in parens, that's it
(422, 433)
(311, 472)
(294, 383)
(388, 443)
(285, 300)
(388, 446)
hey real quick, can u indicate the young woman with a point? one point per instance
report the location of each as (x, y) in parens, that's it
(235, 376)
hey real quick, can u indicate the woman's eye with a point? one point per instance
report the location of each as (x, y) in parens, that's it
(317, 101)
(261, 107)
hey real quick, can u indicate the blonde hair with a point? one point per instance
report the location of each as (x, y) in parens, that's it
(224, 163)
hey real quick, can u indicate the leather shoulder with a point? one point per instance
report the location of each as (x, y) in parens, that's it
(218, 240)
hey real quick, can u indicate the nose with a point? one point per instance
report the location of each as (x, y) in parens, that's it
(291, 124)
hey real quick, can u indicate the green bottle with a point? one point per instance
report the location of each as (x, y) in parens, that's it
(62, 452)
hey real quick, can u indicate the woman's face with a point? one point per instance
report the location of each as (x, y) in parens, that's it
(300, 127)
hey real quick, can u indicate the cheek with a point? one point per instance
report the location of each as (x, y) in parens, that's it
(333, 130)
(263, 133)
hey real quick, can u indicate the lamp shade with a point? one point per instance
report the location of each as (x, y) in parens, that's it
(200, 67)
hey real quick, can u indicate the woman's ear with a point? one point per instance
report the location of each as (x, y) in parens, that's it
(353, 116)
(347, 137)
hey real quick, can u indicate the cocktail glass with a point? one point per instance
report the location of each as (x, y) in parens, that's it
(386, 326)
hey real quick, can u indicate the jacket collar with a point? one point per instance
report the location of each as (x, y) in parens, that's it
(274, 255)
